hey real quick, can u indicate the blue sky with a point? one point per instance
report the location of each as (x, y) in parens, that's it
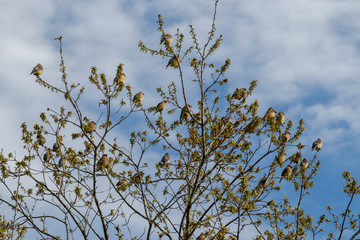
(304, 53)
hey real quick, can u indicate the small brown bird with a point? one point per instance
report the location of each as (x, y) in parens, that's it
(56, 146)
(285, 137)
(281, 117)
(227, 121)
(286, 172)
(281, 157)
(47, 156)
(63, 161)
(110, 163)
(91, 127)
(251, 127)
(37, 70)
(41, 139)
(304, 163)
(122, 183)
(165, 159)
(185, 112)
(197, 117)
(138, 97)
(174, 61)
(317, 145)
(297, 157)
(160, 107)
(166, 38)
(102, 163)
(138, 177)
(263, 183)
(120, 80)
(239, 93)
(202, 236)
(270, 114)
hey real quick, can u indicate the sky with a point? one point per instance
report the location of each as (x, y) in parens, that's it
(305, 54)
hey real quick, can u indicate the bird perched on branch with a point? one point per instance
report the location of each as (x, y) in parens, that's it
(110, 163)
(239, 93)
(138, 97)
(317, 145)
(56, 146)
(122, 183)
(138, 177)
(47, 155)
(37, 70)
(197, 118)
(102, 163)
(304, 163)
(286, 172)
(281, 117)
(165, 159)
(185, 112)
(285, 137)
(281, 157)
(62, 161)
(160, 107)
(263, 183)
(166, 38)
(91, 127)
(270, 114)
(41, 139)
(252, 126)
(118, 80)
(174, 61)
(297, 157)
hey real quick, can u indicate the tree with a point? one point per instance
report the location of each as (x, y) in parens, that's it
(219, 174)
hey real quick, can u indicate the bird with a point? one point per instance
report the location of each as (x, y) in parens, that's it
(41, 139)
(110, 163)
(202, 236)
(122, 183)
(286, 172)
(165, 159)
(263, 183)
(239, 93)
(297, 157)
(271, 113)
(138, 97)
(47, 155)
(281, 117)
(56, 146)
(167, 38)
(137, 177)
(185, 112)
(102, 163)
(227, 121)
(285, 136)
(174, 61)
(304, 163)
(62, 161)
(251, 127)
(91, 127)
(317, 145)
(37, 70)
(281, 157)
(120, 79)
(197, 118)
(160, 107)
